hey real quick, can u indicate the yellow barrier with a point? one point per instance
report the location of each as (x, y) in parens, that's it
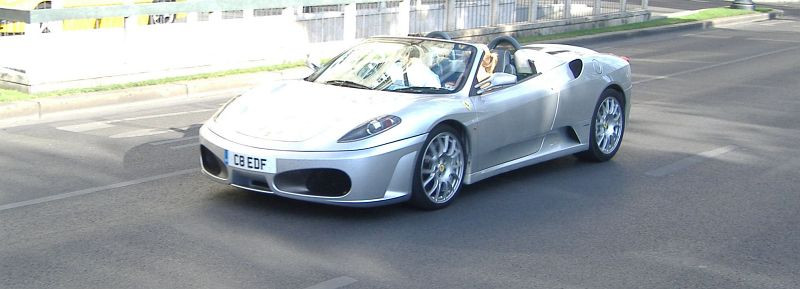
(14, 28)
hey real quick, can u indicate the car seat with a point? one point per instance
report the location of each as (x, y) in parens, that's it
(505, 61)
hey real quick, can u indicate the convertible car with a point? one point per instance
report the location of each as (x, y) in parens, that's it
(414, 119)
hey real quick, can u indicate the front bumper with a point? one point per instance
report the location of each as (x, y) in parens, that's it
(378, 176)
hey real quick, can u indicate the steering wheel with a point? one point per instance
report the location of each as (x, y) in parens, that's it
(504, 39)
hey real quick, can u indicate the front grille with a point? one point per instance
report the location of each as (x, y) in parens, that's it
(250, 180)
(314, 182)
(212, 164)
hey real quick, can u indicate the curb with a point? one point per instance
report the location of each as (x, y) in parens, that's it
(37, 108)
(700, 25)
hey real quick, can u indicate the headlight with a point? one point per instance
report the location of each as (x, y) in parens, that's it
(371, 128)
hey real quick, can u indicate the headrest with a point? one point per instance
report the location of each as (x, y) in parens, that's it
(503, 61)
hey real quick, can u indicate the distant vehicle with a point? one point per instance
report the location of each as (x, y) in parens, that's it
(398, 119)
(15, 28)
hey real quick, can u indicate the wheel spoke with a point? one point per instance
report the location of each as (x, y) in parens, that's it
(445, 150)
(434, 192)
(444, 147)
(609, 121)
(428, 180)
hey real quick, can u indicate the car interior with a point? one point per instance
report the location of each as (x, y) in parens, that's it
(512, 58)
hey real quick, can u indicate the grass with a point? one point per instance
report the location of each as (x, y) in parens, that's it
(13, 95)
(701, 15)
(707, 14)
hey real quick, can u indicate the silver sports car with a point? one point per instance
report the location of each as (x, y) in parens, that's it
(398, 119)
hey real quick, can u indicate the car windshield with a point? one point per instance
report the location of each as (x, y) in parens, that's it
(402, 65)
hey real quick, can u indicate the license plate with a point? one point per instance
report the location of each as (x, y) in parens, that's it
(251, 163)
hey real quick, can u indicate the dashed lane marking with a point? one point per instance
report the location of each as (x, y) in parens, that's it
(86, 126)
(707, 67)
(334, 283)
(96, 125)
(147, 132)
(164, 115)
(690, 161)
(170, 141)
(710, 36)
(774, 40)
(94, 190)
(190, 145)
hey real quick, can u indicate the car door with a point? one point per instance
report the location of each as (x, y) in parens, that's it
(579, 96)
(512, 122)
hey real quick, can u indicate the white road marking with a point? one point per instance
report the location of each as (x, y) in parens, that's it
(739, 60)
(707, 36)
(661, 60)
(774, 22)
(646, 75)
(94, 190)
(741, 274)
(196, 144)
(149, 132)
(235, 91)
(334, 283)
(169, 141)
(774, 40)
(85, 126)
(141, 132)
(690, 161)
(163, 115)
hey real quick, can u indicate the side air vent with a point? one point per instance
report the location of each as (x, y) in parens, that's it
(576, 66)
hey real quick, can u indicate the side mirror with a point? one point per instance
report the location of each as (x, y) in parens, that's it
(312, 62)
(498, 79)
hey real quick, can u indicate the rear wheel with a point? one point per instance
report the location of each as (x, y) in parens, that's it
(608, 127)
(439, 170)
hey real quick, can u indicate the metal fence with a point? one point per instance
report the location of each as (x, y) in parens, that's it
(323, 20)
(61, 47)
(428, 15)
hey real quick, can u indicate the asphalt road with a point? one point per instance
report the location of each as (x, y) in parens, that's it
(703, 194)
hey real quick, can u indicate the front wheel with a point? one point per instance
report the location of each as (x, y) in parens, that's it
(608, 127)
(439, 170)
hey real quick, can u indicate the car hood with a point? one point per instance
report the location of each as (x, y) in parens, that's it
(300, 111)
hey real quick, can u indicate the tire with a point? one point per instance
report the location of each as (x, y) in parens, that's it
(607, 128)
(439, 170)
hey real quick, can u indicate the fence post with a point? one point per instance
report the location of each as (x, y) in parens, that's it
(533, 11)
(494, 6)
(404, 17)
(214, 16)
(450, 15)
(56, 26)
(567, 9)
(248, 13)
(598, 7)
(32, 29)
(191, 17)
(350, 17)
(130, 22)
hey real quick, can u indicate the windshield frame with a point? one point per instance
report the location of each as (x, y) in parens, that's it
(468, 69)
